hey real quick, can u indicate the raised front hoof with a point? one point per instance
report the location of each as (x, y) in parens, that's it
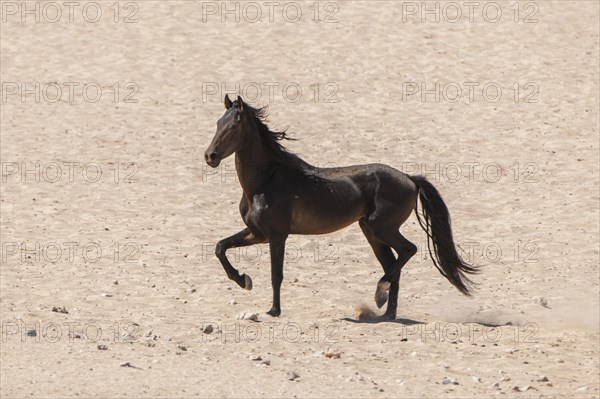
(381, 295)
(247, 283)
(274, 312)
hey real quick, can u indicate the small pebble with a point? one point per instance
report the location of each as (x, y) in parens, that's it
(181, 347)
(102, 347)
(31, 333)
(447, 381)
(333, 354)
(232, 302)
(248, 315)
(107, 295)
(208, 329)
(60, 309)
(521, 389)
(292, 375)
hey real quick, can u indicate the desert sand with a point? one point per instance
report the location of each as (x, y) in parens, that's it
(109, 214)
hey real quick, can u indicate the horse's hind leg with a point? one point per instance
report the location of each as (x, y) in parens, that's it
(386, 257)
(241, 239)
(405, 250)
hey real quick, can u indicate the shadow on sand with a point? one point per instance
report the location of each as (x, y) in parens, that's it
(382, 319)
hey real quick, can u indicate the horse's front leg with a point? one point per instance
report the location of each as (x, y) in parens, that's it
(241, 239)
(277, 248)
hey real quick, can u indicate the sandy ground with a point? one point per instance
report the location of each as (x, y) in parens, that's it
(129, 252)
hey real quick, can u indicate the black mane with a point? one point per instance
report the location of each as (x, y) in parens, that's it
(271, 140)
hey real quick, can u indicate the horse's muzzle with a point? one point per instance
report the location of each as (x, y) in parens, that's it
(213, 158)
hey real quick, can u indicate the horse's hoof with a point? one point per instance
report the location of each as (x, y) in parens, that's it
(389, 316)
(274, 312)
(247, 282)
(381, 295)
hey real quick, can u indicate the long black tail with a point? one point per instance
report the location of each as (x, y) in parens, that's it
(439, 232)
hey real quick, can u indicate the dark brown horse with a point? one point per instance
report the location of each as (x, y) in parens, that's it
(284, 195)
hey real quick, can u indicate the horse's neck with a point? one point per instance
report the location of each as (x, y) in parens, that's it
(252, 166)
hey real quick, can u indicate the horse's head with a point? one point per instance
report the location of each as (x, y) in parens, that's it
(229, 136)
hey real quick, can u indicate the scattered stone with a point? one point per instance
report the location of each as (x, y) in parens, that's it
(543, 378)
(266, 362)
(403, 339)
(447, 381)
(182, 348)
(295, 280)
(125, 364)
(116, 282)
(107, 295)
(248, 315)
(333, 354)
(60, 309)
(496, 386)
(582, 389)
(232, 302)
(256, 358)
(522, 389)
(208, 329)
(191, 290)
(31, 333)
(475, 378)
(544, 303)
(292, 375)
(102, 347)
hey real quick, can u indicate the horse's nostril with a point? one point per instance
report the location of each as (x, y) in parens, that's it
(213, 156)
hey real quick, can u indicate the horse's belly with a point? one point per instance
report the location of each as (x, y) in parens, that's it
(325, 212)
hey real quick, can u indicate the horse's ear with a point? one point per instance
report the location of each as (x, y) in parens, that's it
(227, 102)
(240, 103)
